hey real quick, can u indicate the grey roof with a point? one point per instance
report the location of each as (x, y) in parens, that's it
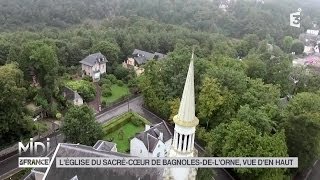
(73, 150)
(31, 176)
(150, 137)
(142, 57)
(92, 59)
(103, 145)
(70, 94)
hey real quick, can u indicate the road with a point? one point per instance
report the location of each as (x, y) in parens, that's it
(134, 104)
(9, 166)
(314, 172)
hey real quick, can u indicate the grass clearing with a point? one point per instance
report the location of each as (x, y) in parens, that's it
(121, 130)
(117, 93)
(122, 140)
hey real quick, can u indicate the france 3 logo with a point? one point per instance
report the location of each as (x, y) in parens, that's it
(295, 18)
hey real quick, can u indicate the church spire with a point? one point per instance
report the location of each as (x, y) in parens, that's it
(187, 106)
(187, 109)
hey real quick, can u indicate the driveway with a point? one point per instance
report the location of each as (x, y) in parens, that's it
(94, 104)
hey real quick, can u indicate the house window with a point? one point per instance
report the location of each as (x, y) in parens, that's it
(158, 155)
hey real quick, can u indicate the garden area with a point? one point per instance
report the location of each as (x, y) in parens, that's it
(123, 128)
(112, 90)
(85, 88)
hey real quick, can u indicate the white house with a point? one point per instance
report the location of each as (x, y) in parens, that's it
(72, 96)
(94, 65)
(155, 141)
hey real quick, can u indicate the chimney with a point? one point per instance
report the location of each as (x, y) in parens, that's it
(161, 136)
(147, 127)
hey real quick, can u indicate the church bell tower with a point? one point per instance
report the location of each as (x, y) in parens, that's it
(184, 131)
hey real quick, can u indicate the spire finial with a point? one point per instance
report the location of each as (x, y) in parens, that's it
(192, 53)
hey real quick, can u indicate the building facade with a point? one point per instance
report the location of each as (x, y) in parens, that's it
(72, 96)
(155, 141)
(94, 66)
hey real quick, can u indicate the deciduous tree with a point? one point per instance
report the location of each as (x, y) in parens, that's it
(303, 128)
(14, 124)
(240, 139)
(79, 126)
(297, 47)
(210, 98)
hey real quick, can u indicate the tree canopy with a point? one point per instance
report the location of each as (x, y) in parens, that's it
(14, 123)
(79, 126)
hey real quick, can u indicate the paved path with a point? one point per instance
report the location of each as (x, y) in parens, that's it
(134, 104)
(314, 172)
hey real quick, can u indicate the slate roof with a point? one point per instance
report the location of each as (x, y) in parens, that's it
(150, 137)
(70, 94)
(74, 150)
(92, 59)
(103, 145)
(142, 57)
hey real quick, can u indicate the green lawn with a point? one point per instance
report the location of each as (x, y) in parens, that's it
(123, 123)
(117, 93)
(123, 142)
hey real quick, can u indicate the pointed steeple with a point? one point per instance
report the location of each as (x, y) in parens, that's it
(186, 115)
(184, 130)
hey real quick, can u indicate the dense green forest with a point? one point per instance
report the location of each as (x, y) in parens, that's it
(247, 100)
(243, 16)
